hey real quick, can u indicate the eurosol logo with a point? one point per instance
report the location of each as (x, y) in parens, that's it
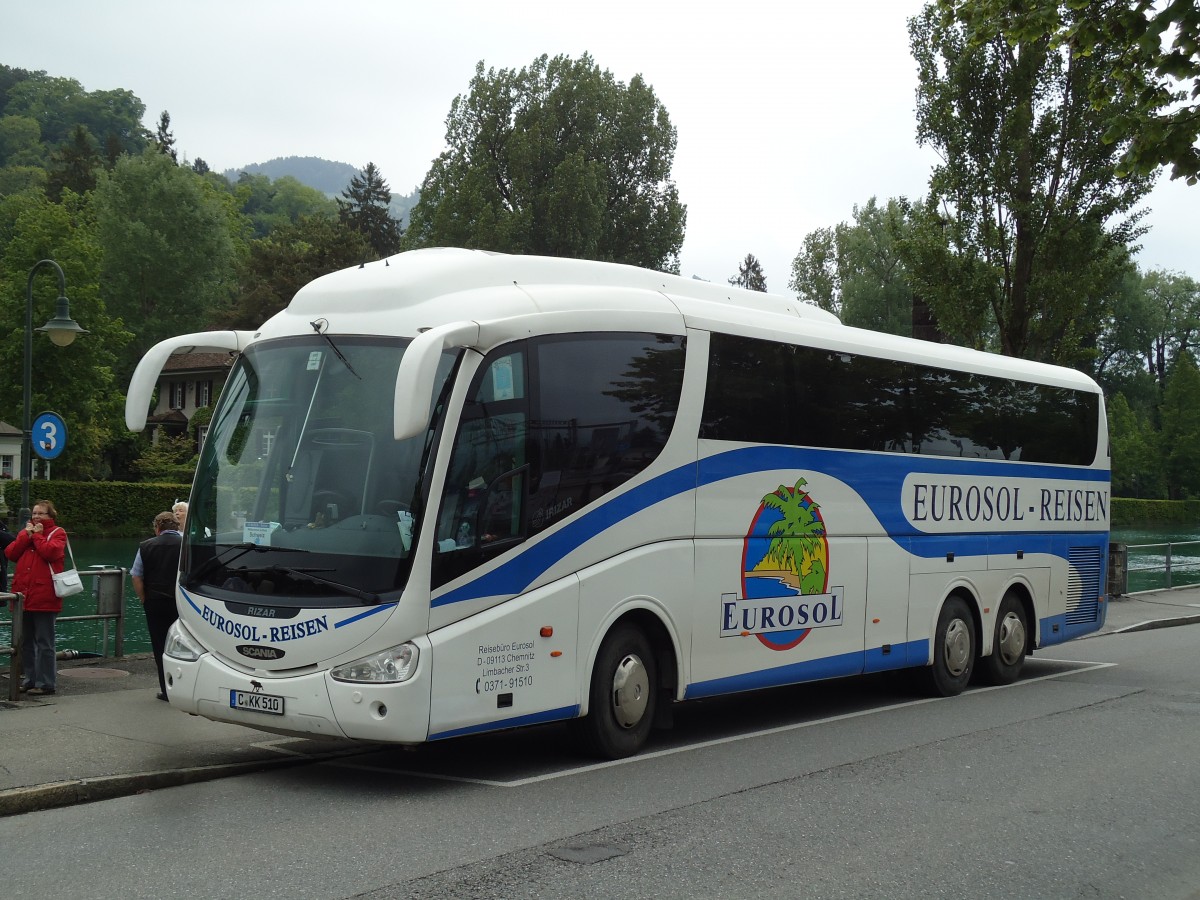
(785, 574)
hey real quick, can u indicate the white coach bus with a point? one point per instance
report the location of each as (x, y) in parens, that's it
(458, 491)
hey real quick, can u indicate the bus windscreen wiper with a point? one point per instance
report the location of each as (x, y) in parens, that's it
(306, 575)
(219, 558)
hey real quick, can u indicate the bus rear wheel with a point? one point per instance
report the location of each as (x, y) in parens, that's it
(1008, 643)
(953, 649)
(623, 695)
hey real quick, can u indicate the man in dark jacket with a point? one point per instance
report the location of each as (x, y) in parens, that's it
(155, 571)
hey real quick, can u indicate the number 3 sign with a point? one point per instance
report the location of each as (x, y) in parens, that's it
(49, 435)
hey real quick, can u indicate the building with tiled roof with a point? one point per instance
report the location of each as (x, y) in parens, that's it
(188, 382)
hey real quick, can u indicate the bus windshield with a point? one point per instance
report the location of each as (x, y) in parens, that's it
(302, 496)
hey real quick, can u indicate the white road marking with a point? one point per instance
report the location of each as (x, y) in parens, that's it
(1085, 666)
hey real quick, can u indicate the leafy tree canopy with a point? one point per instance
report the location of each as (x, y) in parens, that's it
(856, 269)
(170, 242)
(76, 381)
(1146, 83)
(1027, 227)
(270, 204)
(289, 258)
(558, 159)
(58, 105)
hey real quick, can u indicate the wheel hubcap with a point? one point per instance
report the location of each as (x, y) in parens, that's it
(1011, 638)
(958, 648)
(631, 691)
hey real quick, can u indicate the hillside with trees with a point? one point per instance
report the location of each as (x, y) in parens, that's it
(326, 176)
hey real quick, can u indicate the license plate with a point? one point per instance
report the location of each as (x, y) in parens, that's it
(255, 702)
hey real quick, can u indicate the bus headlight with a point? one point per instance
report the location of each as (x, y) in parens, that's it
(390, 666)
(181, 644)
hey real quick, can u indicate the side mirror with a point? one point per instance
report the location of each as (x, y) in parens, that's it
(413, 396)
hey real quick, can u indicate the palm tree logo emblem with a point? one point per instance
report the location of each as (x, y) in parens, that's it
(785, 553)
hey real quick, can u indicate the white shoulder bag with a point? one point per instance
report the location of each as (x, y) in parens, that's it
(67, 583)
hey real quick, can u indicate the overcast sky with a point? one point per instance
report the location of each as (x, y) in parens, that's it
(788, 113)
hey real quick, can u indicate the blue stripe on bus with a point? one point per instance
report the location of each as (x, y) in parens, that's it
(876, 478)
(362, 615)
(550, 715)
(840, 666)
(191, 602)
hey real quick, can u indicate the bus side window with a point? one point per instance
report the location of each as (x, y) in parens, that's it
(603, 408)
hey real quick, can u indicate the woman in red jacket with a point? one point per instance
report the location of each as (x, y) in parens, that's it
(38, 552)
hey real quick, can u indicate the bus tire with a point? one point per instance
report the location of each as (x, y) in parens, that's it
(953, 649)
(1009, 643)
(623, 695)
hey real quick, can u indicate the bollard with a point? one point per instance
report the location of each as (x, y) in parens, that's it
(110, 601)
(1118, 569)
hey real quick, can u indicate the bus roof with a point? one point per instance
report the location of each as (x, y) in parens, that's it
(412, 292)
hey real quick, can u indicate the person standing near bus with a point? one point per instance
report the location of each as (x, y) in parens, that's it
(154, 571)
(38, 551)
(181, 510)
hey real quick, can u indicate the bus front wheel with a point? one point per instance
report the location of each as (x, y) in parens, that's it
(1008, 644)
(623, 695)
(953, 649)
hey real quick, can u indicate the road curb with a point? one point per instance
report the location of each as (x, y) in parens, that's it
(34, 798)
(1151, 624)
(56, 794)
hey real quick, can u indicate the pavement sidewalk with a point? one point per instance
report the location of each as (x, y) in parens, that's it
(104, 735)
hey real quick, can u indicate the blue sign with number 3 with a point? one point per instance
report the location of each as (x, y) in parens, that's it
(49, 435)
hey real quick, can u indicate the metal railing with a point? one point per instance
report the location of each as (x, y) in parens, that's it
(1153, 567)
(108, 591)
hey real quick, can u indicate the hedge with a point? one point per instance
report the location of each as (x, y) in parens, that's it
(98, 508)
(1127, 512)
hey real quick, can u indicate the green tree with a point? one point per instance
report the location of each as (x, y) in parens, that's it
(170, 242)
(76, 381)
(60, 104)
(169, 459)
(290, 257)
(269, 204)
(1027, 224)
(1137, 469)
(1173, 302)
(365, 210)
(1147, 83)
(856, 269)
(750, 275)
(164, 140)
(20, 141)
(1181, 429)
(74, 166)
(558, 159)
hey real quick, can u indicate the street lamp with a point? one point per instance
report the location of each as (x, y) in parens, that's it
(62, 330)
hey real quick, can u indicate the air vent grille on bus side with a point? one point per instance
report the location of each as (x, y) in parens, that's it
(1083, 585)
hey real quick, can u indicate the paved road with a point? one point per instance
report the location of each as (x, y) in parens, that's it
(1079, 781)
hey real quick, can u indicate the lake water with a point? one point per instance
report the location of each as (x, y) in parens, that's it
(1150, 551)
